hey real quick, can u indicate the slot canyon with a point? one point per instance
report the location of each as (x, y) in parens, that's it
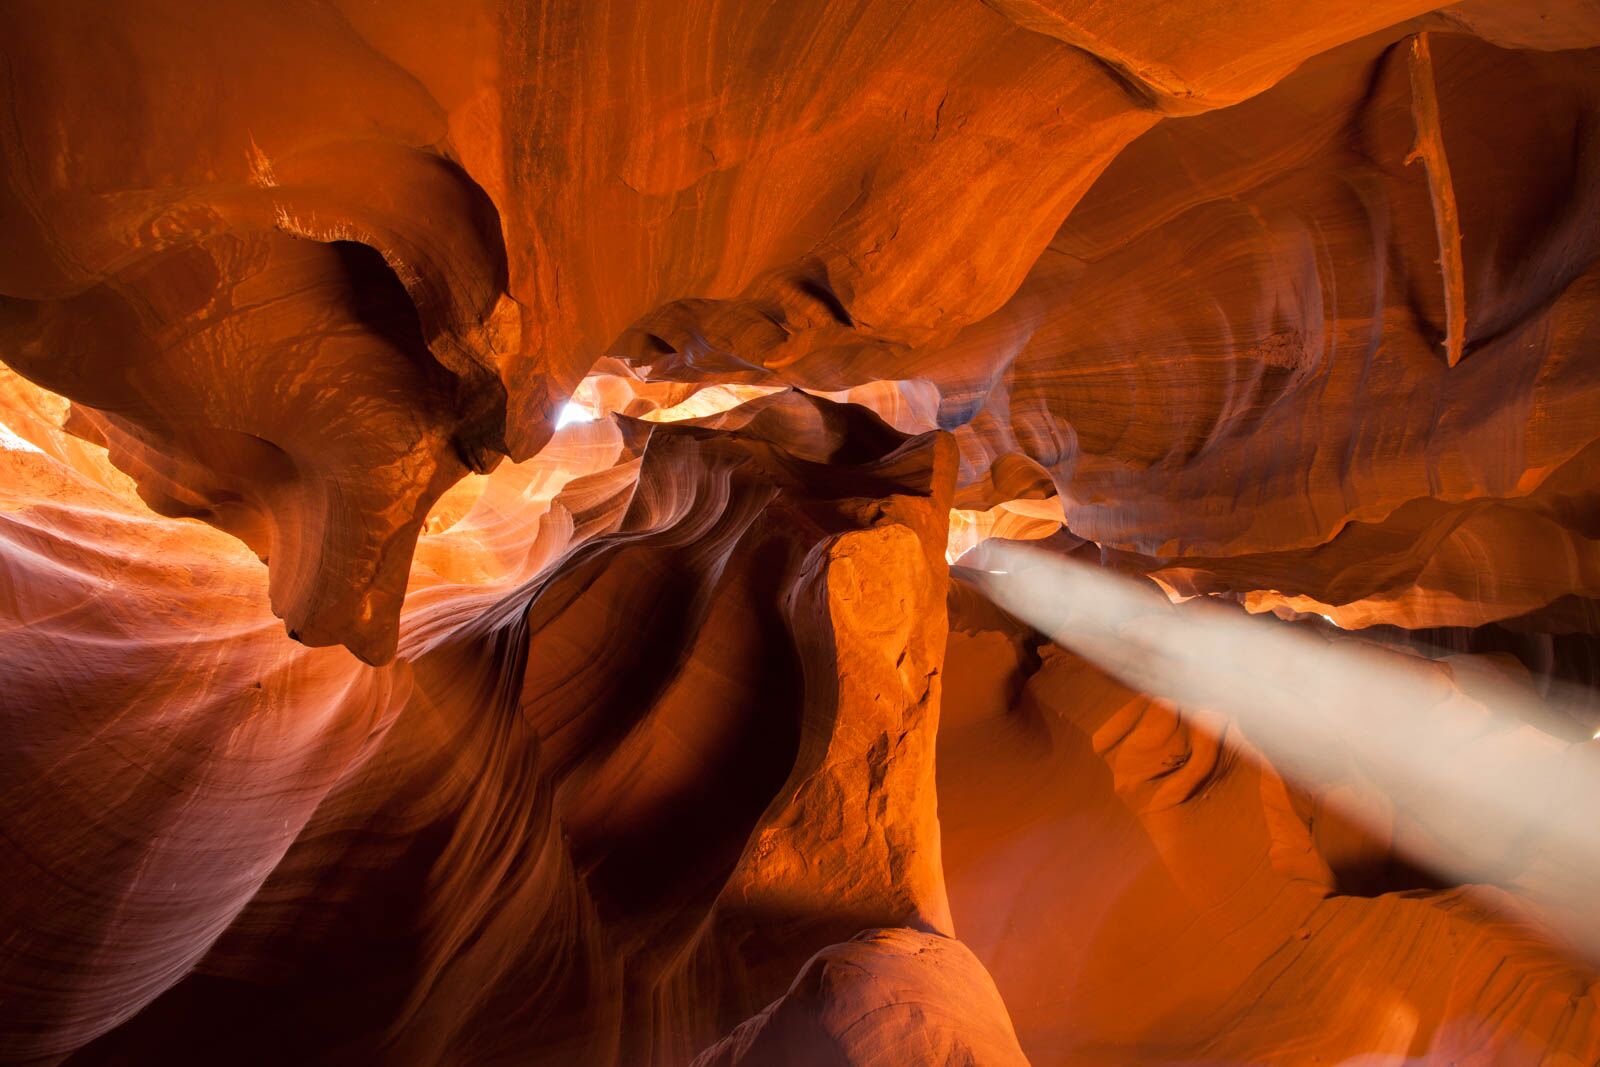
(651, 533)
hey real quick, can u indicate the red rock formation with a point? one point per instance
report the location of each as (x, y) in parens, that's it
(613, 383)
(885, 997)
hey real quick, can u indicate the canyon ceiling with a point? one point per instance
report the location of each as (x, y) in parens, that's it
(495, 500)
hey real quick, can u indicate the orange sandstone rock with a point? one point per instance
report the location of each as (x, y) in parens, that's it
(478, 482)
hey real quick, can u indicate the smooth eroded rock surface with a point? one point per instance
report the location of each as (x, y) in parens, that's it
(479, 485)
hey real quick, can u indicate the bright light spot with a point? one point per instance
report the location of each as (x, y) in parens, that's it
(711, 400)
(573, 412)
(1597, 735)
(10, 441)
(1329, 619)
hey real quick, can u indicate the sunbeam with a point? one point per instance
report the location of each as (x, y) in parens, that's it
(1491, 794)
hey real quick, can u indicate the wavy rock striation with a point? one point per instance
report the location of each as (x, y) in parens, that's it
(478, 485)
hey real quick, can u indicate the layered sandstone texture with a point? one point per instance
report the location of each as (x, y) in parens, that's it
(479, 482)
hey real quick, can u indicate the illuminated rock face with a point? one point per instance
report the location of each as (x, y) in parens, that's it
(479, 479)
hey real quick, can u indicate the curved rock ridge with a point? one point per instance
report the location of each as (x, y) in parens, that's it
(480, 485)
(460, 207)
(883, 997)
(519, 770)
(1327, 400)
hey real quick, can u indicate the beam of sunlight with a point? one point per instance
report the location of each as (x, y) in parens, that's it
(1492, 796)
(573, 412)
(12, 441)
